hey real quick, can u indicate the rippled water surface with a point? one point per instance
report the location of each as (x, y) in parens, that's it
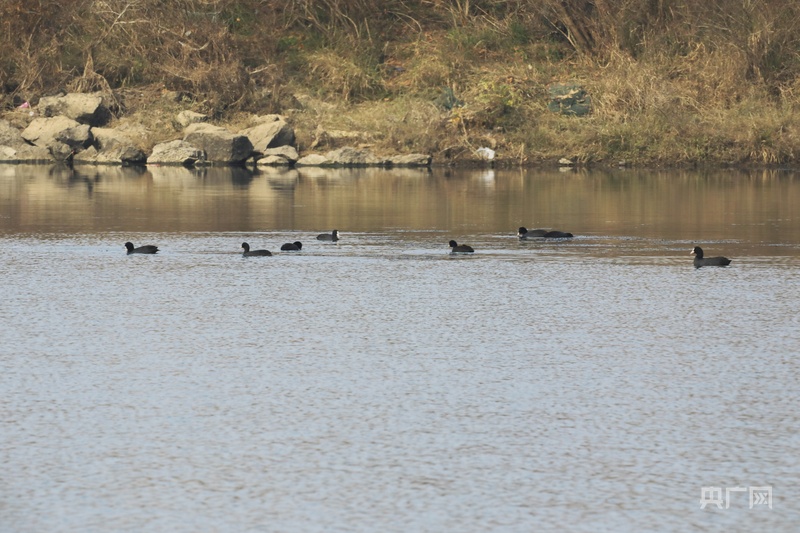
(381, 384)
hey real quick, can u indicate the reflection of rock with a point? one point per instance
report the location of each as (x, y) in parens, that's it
(201, 176)
(314, 172)
(332, 173)
(277, 172)
(110, 173)
(173, 173)
(285, 180)
(240, 176)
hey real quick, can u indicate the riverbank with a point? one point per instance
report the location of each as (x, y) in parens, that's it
(531, 135)
(689, 86)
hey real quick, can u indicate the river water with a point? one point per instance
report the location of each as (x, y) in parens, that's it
(379, 383)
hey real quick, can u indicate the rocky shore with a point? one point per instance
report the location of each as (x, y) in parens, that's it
(75, 128)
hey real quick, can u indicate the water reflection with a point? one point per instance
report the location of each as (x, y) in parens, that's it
(379, 384)
(697, 206)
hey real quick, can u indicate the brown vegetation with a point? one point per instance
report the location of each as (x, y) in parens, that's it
(671, 81)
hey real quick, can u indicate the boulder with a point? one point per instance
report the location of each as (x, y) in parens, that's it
(354, 157)
(77, 137)
(270, 133)
(111, 147)
(62, 136)
(281, 156)
(25, 153)
(7, 154)
(186, 118)
(273, 161)
(176, 152)
(9, 135)
(61, 151)
(14, 148)
(569, 99)
(84, 108)
(411, 160)
(219, 145)
(314, 160)
(43, 131)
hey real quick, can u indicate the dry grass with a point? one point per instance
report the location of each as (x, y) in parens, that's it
(688, 83)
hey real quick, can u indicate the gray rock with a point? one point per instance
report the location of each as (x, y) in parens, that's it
(176, 152)
(9, 135)
(411, 160)
(273, 161)
(354, 157)
(287, 152)
(61, 151)
(314, 160)
(43, 131)
(186, 118)
(84, 108)
(77, 138)
(270, 134)
(25, 153)
(569, 99)
(7, 154)
(219, 145)
(62, 136)
(111, 147)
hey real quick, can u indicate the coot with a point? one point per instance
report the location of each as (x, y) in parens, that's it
(460, 248)
(292, 246)
(331, 237)
(146, 249)
(700, 261)
(254, 253)
(524, 233)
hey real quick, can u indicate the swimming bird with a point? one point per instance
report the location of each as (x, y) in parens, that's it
(332, 237)
(524, 233)
(146, 249)
(292, 246)
(254, 253)
(700, 261)
(460, 248)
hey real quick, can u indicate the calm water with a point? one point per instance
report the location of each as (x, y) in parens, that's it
(380, 384)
